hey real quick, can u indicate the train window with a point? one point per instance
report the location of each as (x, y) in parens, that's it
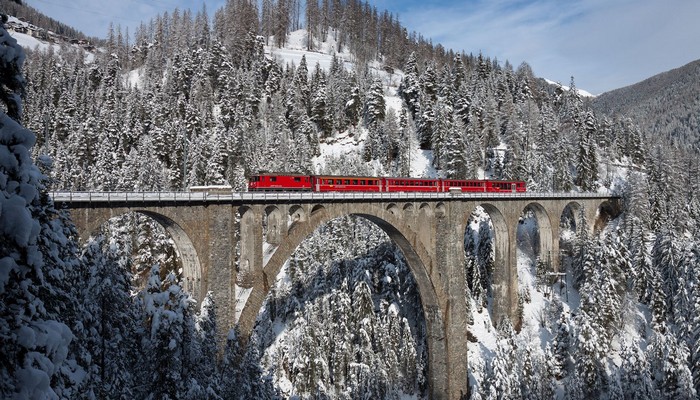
(354, 181)
(273, 179)
(347, 181)
(362, 182)
(297, 179)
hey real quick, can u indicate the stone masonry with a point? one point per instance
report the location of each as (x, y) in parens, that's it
(429, 232)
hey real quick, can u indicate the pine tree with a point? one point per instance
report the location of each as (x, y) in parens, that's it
(409, 88)
(320, 114)
(668, 360)
(375, 105)
(166, 308)
(635, 379)
(561, 347)
(694, 348)
(203, 374)
(592, 352)
(376, 145)
(587, 161)
(665, 259)
(113, 330)
(34, 342)
(503, 378)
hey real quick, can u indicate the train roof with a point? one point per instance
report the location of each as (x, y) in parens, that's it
(277, 174)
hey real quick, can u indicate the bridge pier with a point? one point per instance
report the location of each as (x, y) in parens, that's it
(449, 256)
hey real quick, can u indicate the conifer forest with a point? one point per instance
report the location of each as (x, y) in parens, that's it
(196, 98)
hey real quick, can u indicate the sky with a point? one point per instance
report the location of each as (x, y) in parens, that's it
(603, 44)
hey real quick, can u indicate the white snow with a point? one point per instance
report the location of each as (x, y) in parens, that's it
(295, 48)
(242, 295)
(133, 78)
(581, 92)
(30, 42)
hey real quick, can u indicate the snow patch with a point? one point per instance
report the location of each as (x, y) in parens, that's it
(581, 92)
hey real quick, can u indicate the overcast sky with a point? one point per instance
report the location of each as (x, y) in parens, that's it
(604, 44)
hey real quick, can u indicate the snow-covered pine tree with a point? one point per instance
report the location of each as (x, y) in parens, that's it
(668, 359)
(410, 86)
(665, 256)
(204, 379)
(561, 348)
(694, 346)
(33, 341)
(166, 309)
(114, 327)
(587, 160)
(591, 350)
(635, 377)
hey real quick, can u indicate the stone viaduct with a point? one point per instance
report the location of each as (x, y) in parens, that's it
(234, 245)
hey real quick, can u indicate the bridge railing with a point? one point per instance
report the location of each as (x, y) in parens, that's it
(157, 197)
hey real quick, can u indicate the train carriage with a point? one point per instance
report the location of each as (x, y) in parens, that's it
(279, 182)
(475, 186)
(505, 186)
(333, 183)
(412, 185)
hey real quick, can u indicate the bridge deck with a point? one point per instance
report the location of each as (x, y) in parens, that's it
(270, 197)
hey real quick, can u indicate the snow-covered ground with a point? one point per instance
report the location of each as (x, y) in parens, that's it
(30, 42)
(296, 47)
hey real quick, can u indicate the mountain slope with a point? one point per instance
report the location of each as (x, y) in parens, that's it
(666, 105)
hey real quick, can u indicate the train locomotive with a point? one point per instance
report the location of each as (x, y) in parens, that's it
(335, 183)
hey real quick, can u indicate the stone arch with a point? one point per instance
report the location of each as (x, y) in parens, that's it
(316, 209)
(425, 210)
(597, 213)
(408, 209)
(191, 266)
(394, 210)
(504, 277)
(245, 275)
(417, 258)
(272, 225)
(297, 215)
(545, 227)
(605, 212)
(440, 210)
(570, 215)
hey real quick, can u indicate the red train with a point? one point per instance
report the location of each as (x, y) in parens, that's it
(332, 183)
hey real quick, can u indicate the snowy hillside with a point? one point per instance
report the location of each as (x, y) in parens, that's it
(21, 33)
(345, 143)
